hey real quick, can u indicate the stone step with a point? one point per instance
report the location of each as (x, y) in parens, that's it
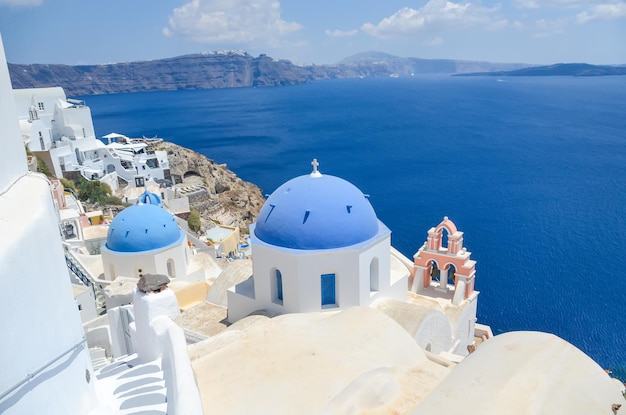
(136, 387)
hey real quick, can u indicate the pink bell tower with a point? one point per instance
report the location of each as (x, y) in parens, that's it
(435, 264)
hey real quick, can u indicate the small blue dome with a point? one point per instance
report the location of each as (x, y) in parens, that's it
(142, 228)
(149, 198)
(316, 212)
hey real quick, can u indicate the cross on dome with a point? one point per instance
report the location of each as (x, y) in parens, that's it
(315, 172)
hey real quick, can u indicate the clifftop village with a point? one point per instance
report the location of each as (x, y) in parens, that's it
(200, 296)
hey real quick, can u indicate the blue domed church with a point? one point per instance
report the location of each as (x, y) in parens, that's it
(317, 246)
(145, 239)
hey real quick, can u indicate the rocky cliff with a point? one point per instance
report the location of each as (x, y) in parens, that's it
(198, 71)
(226, 200)
(224, 70)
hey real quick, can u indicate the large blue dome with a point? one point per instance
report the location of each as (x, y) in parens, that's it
(142, 228)
(316, 212)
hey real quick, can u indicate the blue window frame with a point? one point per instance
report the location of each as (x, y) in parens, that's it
(328, 289)
(279, 285)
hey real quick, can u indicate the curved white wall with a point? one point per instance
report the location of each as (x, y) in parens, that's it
(434, 333)
(126, 264)
(39, 319)
(13, 155)
(464, 327)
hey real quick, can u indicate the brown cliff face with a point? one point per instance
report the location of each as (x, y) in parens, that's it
(227, 70)
(199, 71)
(228, 200)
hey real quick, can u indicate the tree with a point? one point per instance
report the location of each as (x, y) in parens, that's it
(93, 191)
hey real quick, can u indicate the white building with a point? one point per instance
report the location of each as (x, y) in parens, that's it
(317, 245)
(60, 131)
(47, 116)
(145, 239)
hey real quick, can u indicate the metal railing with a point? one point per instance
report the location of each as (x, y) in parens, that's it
(32, 375)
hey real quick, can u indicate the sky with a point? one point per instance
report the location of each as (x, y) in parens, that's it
(78, 32)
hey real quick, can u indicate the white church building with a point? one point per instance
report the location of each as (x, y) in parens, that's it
(146, 239)
(317, 246)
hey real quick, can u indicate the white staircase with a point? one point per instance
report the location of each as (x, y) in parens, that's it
(99, 358)
(135, 387)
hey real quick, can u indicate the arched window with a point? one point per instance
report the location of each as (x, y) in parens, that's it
(451, 275)
(374, 277)
(434, 271)
(171, 270)
(277, 286)
(112, 272)
(444, 238)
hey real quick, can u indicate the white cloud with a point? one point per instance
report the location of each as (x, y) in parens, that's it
(238, 21)
(435, 16)
(537, 4)
(546, 28)
(603, 12)
(21, 3)
(341, 33)
(527, 4)
(433, 42)
(498, 24)
(570, 4)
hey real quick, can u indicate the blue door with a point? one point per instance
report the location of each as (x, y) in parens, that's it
(328, 289)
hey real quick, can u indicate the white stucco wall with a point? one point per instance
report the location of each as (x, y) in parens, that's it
(463, 328)
(74, 122)
(301, 278)
(434, 333)
(26, 97)
(35, 332)
(33, 129)
(183, 397)
(127, 264)
(86, 301)
(13, 155)
(148, 342)
(38, 330)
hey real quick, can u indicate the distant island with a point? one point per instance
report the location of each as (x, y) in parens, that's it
(236, 68)
(559, 69)
(226, 69)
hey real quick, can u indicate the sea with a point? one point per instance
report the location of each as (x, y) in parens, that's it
(531, 169)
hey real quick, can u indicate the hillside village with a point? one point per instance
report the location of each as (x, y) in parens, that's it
(197, 295)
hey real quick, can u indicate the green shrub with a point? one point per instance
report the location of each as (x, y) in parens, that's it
(67, 184)
(93, 191)
(194, 220)
(43, 168)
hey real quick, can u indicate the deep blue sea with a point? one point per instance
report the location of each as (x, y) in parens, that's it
(532, 170)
